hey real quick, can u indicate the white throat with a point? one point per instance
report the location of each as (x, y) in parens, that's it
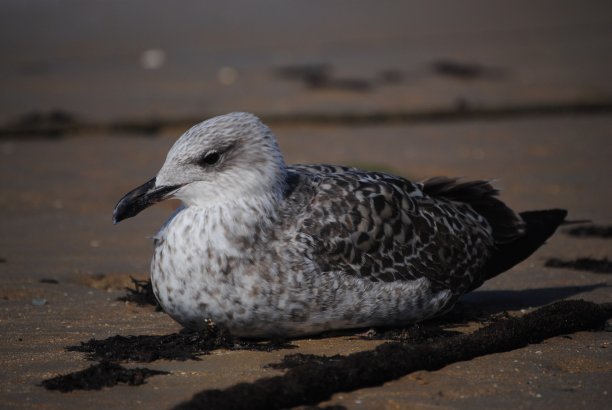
(223, 222)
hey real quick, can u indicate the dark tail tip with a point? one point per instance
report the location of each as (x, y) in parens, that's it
(539, 226)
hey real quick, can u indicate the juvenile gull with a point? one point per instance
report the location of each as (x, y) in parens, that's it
(266, 249)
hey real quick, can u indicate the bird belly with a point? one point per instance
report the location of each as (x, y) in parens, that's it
(197, 275)
(255, 303)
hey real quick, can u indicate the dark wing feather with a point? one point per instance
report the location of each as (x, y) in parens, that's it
(506, 224)
(386, 228)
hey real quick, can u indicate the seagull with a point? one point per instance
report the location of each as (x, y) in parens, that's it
(266, 249)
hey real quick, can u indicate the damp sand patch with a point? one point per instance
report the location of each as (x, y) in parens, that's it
(141, 294)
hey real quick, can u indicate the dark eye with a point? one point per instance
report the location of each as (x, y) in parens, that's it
(209, 159)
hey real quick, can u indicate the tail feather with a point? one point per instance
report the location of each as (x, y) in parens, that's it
(516, 237)
(482, 197)
(539, 226)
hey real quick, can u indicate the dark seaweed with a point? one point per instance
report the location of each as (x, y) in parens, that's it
(297, 359)
(37, 118)
(142, 294)
(319, 76)
(466, 71)
(590, 231)
(95, 377)
(312, 75)
(588, 264)
(318, 379)
(417, 333)
(185, 345)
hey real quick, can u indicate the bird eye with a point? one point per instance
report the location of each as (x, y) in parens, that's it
(209, 159)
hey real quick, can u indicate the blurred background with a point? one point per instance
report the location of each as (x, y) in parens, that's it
(105, 61)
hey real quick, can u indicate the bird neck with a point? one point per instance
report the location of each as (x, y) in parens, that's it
(242, 213)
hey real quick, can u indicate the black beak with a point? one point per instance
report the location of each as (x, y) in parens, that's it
(141, 198)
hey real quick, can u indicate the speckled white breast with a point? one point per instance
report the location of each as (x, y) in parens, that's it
(202, 269)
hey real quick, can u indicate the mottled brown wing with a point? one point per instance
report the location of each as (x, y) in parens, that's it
(386, 229)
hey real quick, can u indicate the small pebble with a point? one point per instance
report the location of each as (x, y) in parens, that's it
(152, 59)
(39, 301)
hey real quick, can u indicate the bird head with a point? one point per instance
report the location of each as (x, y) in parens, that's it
(223, 159)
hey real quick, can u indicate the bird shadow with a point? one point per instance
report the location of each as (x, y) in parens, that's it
(482, 306)
(497, 301)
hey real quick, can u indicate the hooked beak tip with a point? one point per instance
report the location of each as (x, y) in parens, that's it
(141, 198)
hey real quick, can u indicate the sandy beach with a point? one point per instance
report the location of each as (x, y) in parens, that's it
(359, 90)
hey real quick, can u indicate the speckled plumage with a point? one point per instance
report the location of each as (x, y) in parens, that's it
(266, 249)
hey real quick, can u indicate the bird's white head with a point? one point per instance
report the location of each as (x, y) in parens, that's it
(227, 158)
(222, 159)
